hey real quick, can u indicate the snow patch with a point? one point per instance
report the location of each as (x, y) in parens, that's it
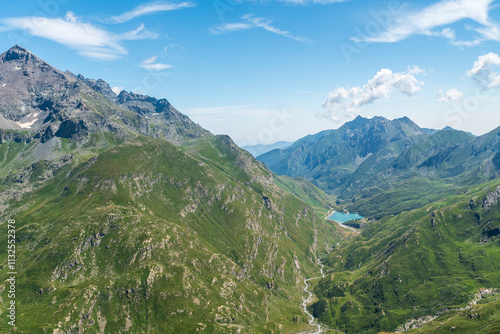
(27, 125)
(16, 68)
(4, 85)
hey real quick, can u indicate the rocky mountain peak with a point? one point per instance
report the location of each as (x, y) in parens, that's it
(27, 83)
(40, 98)
(17, 53)
(22, 59)
(99, 85)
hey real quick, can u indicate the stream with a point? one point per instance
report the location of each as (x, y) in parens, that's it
(312, 320)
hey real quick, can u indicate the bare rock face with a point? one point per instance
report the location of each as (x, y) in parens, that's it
(30, 88)
(100, 86)
(492, 198)
(37, 97)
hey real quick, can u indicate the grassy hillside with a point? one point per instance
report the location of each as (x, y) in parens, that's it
(484, 317)
(414, 264)
(146, 237)
(307, 192)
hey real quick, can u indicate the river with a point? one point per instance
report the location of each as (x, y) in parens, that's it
(312, 320)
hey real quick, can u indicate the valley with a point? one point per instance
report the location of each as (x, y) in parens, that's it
(430, 243)
(130, 217)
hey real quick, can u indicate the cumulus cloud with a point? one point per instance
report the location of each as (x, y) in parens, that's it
(428, 20)
(85, 38)
(251, 22)
(345, 103)
(483, 71)
(151, 65)
(451, 95)
(150, 8)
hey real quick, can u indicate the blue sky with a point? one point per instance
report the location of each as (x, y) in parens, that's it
(270, 70)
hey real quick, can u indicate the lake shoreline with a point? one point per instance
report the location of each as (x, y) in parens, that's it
(340, 223)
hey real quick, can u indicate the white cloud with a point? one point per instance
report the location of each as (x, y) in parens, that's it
(482, 71)
(251, 22)
(451, 95)
(71, 17)
(442, 13)
(88, 40)
(150, 8)
(448, 33)
(414, 70)
(150, 64)
(345, 103)
(117, 89)
(140, 33)
(230, 27)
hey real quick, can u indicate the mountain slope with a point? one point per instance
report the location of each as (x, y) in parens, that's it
(340, 151)
(177, 231)
(379, 167)
(418, 263)
(50, 119)
(152, 239)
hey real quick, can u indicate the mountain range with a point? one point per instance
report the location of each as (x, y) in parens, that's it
(379, 167)
(260, 149)
(132, 218)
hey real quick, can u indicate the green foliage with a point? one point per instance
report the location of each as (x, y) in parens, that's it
(319, 308)
(481, 318)
(416, 263)
(154, 238)
(307, 192)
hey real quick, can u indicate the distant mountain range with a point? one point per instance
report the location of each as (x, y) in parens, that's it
(428, 260)
(260, 149)
(369, 160)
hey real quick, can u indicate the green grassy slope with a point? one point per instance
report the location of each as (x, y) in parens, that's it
(481, 318)
(148, 237)
(307, 192)
(414, 264)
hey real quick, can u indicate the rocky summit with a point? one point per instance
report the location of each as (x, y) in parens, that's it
(50, 103)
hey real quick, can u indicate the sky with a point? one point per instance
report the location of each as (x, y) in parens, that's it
(264, 71)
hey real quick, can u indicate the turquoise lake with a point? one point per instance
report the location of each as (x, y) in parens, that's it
(344, 217)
